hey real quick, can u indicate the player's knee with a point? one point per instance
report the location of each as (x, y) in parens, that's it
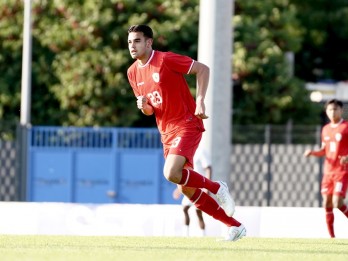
(172, 175)
(337, 202)
(327, 201)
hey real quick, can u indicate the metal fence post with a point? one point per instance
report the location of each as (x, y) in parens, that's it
(269, 163)
(22, 148)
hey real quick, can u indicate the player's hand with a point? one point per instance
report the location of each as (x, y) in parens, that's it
(343, 159)
(307, 153)
(141, 102)
(200, 110)
(144, 106)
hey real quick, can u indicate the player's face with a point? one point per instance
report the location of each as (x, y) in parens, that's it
(334, 113)
(138, 45)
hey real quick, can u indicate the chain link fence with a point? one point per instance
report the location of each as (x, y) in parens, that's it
(269, 169)
(8, 162)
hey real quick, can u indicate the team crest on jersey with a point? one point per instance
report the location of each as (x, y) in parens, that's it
(338, 136)
(155, 77)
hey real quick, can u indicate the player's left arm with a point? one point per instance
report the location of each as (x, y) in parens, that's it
(202, 73)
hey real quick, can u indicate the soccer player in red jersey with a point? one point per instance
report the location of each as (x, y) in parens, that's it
(157, 80)
(334, 147)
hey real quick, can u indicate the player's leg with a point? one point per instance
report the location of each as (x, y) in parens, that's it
(327, 188)
(207, 204)
(186, 204)
(178, 168)
(200, 222)
(186, 219)
(190, 178)
(179, 150)
(200, 219)
(327, 203)
(339, 195)
(340, 204)
(186, 215)
(174, 172)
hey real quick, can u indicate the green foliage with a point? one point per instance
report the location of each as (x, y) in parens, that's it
(265, 89)
(323, 55)
(10, 59)
(80, 57)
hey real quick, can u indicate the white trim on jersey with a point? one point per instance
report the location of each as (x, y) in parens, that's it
(148, 61)
(193, 61)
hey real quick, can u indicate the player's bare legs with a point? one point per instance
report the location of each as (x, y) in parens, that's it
(173, 167)
(200, 219)
(186, 215)
(200, 222)
(186, 220)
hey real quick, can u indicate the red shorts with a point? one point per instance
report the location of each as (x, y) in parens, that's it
(184, 142)
(333, 184)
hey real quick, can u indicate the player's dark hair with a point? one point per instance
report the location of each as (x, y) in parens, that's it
(334, 101)
(143, 28)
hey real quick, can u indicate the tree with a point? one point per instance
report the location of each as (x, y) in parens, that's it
(323, 56)
(265, 90)
(80, 57)
(10, 59)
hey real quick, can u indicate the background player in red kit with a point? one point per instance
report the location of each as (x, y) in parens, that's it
(334, 184)
(157, 80)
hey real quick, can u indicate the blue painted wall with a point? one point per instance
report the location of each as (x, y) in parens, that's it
(97, 165)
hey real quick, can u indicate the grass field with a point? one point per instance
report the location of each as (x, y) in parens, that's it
(79, 248)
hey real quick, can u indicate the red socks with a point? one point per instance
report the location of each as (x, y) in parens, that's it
(208, 205)
(330, 221)
(330, 218)
(202, 200)
(344, 210)
(192, 179)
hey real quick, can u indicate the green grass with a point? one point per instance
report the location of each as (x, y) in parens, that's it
(80, 248)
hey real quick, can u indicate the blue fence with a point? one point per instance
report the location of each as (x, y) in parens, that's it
(97, 165)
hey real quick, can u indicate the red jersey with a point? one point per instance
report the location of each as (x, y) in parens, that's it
(335, 139)
(162, 81)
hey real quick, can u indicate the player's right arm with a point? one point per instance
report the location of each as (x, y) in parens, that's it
(142, 102)
(316, 153)
(144, 106)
